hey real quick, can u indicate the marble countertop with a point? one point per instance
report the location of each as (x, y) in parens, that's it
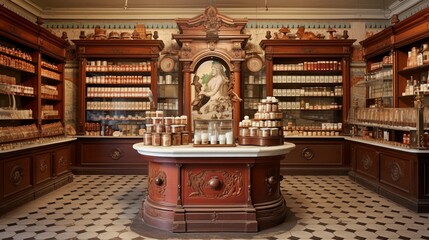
(191, 151)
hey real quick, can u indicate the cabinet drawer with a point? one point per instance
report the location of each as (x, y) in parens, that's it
(204, 184)
(16, 175)
(315, 154)
(43, 167)
(62, 160)
(109, 153)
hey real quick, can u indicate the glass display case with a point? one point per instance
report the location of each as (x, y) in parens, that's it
(213, 133)
(311, 96)
(169, 84)
(118, 84)
(253, 90)
(118, 93)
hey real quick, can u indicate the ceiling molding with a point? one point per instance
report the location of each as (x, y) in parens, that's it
(29, 7)
(250, 13)
(400, 6)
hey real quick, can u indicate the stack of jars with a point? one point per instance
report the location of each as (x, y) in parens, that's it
(165, 131)
(267, 121)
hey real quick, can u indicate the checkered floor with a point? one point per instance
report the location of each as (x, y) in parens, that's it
(322, 207)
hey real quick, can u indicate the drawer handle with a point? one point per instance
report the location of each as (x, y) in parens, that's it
(307, 153)
(215, 183)
(159, 181)
(272, 180)
(116, 154)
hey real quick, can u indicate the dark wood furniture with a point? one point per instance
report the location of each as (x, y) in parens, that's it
(35, 155)
(393, 167)
(400, 175)
(311, 80)
(115, 66)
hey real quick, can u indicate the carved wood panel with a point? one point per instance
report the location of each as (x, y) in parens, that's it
(211, 184)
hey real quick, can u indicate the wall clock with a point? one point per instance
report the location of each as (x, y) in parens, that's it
(166, 64)
(254, 64)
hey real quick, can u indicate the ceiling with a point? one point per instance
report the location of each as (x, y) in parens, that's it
(260, 9)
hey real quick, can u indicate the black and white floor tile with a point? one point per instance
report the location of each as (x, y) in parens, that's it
(322, 207)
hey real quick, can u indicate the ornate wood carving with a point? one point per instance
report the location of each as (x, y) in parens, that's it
(210, 36)
(395, 172)
(157, 183)
(366, 162)
(215, 184)
(16, 175)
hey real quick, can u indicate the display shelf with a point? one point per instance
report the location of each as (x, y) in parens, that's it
(118, 83)
(169, 85)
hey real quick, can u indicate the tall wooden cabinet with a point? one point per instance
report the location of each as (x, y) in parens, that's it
(117, 85)
(311, 80)
(389, 147)
(35, 155)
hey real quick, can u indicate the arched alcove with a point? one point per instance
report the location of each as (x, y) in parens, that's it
(210, 37)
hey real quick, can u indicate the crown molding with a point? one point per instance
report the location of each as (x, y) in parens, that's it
(251, 13)
(400, 6)
(29, 6)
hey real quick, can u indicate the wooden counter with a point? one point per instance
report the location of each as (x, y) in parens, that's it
(203, 189)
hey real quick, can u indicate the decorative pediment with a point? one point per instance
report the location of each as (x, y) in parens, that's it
(211, 23)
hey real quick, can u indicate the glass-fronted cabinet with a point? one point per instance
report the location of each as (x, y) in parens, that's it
(118, 84)
(169, 86)
(253, 90)
(310, 95)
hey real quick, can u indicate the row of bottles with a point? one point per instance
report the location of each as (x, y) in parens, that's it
(418, 56)
(414, 86)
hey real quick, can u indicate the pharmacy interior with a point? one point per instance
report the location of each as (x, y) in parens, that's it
(346, 107)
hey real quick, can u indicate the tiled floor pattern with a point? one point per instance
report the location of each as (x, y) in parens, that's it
(321, 207)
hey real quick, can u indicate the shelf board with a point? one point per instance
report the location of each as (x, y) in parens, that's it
(52, 69)
(367, 124)
(20, 70)
(112, 110)
(51, 79)
(117, 97)
(308, 72)
(308, 96)
(309, 110)
(310, 84)
(119, 84)
(411, 70)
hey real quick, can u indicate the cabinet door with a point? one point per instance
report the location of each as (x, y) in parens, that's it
(43, 167)
(396, 173)
(62, 160)
(367, 162)
(16, 175)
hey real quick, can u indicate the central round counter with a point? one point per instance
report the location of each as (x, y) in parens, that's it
(207, 189)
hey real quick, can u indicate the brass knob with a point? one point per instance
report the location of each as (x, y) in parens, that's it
(215, 183)
(272, 180)
(159, 181)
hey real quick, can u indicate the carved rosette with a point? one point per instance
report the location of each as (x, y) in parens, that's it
(395, 172)
(16, 175)
(43, 166)
(157, 183)
(116, 154)
(62, 163)
(215, 184)
(366, 162)
(307, 153)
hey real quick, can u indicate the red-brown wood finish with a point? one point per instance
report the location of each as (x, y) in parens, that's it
(213, 194)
